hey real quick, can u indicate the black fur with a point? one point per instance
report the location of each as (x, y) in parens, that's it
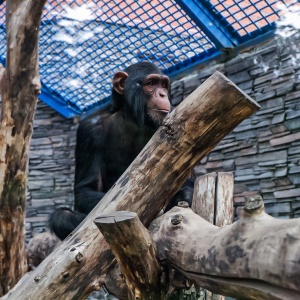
(63, 222)
(107, 142)
(184, 194)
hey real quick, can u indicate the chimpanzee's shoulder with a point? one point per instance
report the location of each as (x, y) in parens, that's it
(94, 120)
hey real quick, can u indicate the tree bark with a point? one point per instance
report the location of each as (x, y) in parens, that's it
(135, 253)
(213, 200)
(20, 87)
(224, 199)
(187, 135)
(255, 258)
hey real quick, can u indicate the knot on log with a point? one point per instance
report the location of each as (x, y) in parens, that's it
(66, 275)
(183, 204)
(79, 257)
(254, 203)
(176, 219)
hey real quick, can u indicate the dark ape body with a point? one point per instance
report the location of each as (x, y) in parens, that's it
(110, 139)
(101, 161)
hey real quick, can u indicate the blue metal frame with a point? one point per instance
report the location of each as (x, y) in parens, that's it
(241, 39)
(209, 23)
(68, 110)
(188, 65)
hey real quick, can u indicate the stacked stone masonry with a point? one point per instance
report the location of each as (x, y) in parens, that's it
(51, 167)
(263, 152)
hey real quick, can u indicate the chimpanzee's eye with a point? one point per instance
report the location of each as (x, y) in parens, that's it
(152, 83)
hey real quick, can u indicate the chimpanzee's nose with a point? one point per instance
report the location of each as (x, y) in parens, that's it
(162, 93)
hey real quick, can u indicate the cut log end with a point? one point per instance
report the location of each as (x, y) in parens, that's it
(115, 217)
(135, 253)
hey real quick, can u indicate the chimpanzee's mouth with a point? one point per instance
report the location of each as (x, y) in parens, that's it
(165, 111)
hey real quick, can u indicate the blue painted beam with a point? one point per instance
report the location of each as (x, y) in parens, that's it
(199, 62)
(65, 109)
(68, 110)
(208, 23)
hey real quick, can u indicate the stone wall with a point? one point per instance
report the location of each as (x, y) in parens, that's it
(263, 152)
(51, 167)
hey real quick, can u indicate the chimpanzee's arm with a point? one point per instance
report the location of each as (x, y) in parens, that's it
(86, 199)
(88, 189)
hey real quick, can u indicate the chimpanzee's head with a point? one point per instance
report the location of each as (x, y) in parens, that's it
(142, 90)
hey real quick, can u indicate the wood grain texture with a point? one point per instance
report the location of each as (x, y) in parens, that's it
(20, 86)
(257, 257)
(213, 201)
(204, 197)
(224, 199)
(133, 247)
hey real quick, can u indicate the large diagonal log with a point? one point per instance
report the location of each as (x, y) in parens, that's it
(194, 128)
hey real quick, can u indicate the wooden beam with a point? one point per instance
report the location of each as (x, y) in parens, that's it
(213, 200)
(224, 199)
(204, 197)
(135, 253)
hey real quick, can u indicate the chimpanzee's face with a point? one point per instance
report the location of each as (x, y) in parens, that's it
(155, 88)
(145, 91)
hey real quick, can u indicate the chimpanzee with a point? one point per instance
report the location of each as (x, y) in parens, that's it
(110, 139)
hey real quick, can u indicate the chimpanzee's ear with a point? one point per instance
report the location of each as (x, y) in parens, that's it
(119, 81)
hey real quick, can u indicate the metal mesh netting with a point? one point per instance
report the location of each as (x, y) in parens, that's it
(245, 17)
(83, 43)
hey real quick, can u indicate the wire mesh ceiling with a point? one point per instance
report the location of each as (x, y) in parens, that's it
(83, 43)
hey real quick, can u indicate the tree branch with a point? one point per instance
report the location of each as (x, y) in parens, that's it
(135, 252)
(20, 87)
(256, 257)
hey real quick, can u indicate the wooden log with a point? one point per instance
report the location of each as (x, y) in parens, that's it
(204, 197)
(20, 86)
(135, 253)
(257, 257)
(224, 199)
(213, 200)
(223, 209)
(187, 135)
(173, 284)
